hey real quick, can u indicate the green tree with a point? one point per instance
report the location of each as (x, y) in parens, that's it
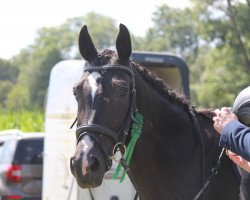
(220, 70)
(238, 34)
(17, 98)
(174, 31)
(103, 30)
(8, 77)
(40, 82)
(5, 88)
(225, 22)
(52, 45)
(8, 71)
(220, 77)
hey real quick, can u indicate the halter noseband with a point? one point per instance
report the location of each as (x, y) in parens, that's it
(121, 135)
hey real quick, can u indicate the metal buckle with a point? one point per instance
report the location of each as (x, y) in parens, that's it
(117, 148)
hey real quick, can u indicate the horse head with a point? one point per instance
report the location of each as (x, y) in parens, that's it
(104, 92)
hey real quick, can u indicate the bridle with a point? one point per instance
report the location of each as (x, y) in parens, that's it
(120, 137)
(95, 130)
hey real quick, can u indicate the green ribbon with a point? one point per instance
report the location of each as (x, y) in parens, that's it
(135, 134)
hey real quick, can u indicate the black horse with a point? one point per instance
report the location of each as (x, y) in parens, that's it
(172, 160)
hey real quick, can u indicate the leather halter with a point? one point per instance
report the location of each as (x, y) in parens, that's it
(121, 135)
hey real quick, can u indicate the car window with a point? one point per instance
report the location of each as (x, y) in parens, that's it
(29, 151)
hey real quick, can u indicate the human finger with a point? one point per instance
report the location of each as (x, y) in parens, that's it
(217, 111)
(242, 163)
(238, 160)
(218, 127)
(225, 109)
(230, 153)
(215, 119)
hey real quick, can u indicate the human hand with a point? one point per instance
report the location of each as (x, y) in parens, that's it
(241, 162)
(223, 117)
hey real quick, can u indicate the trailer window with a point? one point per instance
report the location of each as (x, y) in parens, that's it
(170, 75)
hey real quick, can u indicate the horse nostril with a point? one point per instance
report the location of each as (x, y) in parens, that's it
(72, 165)
(93, 164)
(90, 165)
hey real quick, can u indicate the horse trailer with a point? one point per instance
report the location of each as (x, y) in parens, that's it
(60, 141)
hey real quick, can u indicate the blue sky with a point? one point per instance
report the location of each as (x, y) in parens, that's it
(19, 19)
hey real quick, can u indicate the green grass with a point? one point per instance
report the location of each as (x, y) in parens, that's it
(26, 121)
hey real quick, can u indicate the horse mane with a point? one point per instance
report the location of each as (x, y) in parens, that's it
(170, 93)
(209, 113)
(161, 87)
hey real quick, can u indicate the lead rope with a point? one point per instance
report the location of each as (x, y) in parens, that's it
(214, 172)
(91, 195)
(135, 135)
(125, 161)
(197, 129)
(131, 177)
(72, 125)
(215, 169)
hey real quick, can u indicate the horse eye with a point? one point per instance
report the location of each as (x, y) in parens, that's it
(124, 91)
(99, 80)
(76, 90)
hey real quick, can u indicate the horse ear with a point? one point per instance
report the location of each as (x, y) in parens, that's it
(123, 43)
(86, 46)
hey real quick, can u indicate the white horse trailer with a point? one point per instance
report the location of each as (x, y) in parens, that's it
(60, 142)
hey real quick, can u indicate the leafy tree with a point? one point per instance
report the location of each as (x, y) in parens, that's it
(220, 70)
(174, 31)
(38, 88)
(8, 71)
(52, 45)
(5, 88)
(221, 77)
(225, 22)
(17, 98)
(8, 77)
(103, 30)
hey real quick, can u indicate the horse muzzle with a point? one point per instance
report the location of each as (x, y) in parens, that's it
(88, 166)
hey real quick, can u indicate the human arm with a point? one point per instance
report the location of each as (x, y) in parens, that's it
(236, 137)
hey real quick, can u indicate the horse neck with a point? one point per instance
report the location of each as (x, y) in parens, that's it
(168, 140)
(167, 123)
